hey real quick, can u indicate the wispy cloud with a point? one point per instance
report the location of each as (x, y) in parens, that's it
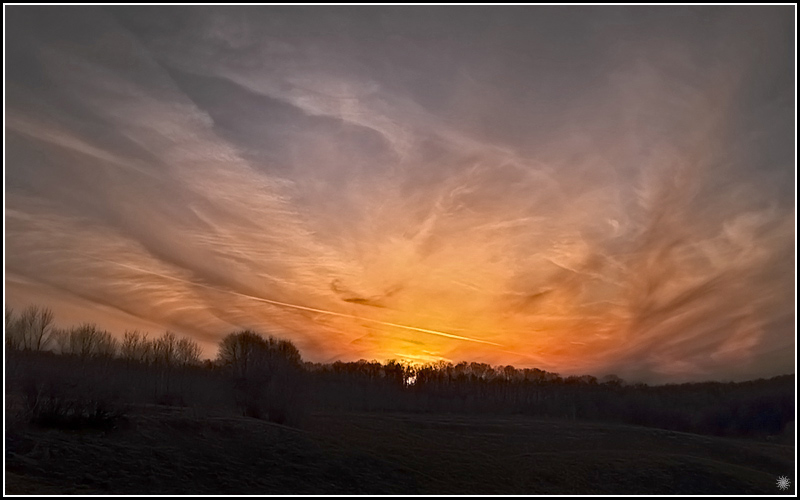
(603, 193)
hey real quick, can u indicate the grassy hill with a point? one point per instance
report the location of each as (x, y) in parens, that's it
(169, 450)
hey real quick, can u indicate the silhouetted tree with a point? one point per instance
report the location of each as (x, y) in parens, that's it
(169, 353)
(87, 340)
(165, 349)
(30, 330)
(265, 373)
(187, 352)
(12, 335)
(612, 380)
(242, 352)
(267, 378)
(135, 347)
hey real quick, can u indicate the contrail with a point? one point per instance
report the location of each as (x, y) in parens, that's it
(293, 306)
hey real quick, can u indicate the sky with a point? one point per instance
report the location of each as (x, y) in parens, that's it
(585, 190)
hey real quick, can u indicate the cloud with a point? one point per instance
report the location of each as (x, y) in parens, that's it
(604, 193)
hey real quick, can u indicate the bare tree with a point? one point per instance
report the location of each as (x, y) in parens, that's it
(265, 374)
(87, 340)
(136, 347)
(165, 349)
(165, 356)
(284, 351)
(13, 330)
(187, 352)
(25, 324)
(243, 352)
(42, 327)
(31, 329)
(9, 316)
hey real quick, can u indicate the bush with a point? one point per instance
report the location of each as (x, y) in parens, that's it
(64, 405)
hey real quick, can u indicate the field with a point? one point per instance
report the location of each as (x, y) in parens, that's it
(170, 450)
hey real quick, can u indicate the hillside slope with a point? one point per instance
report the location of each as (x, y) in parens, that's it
(162, 450)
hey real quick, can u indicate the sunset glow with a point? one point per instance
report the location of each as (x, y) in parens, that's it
(605, 190)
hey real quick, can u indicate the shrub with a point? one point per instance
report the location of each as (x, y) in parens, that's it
(65, 405)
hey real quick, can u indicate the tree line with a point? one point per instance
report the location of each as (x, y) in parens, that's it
(32, 329)
(265, 377)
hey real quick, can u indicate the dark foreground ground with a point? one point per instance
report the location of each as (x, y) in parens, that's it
(163, 450)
